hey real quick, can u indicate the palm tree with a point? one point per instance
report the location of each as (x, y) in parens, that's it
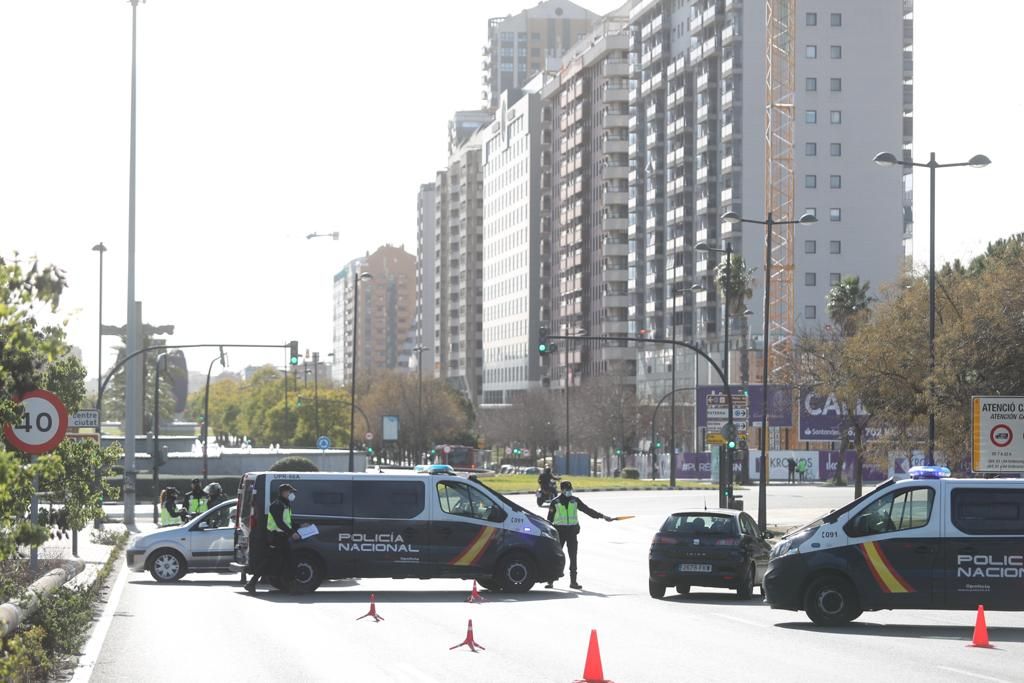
(847, 302)
(737, 285)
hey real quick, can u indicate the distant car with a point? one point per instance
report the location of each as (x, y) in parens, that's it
(531, 470)
(717, 548)
(204, 544)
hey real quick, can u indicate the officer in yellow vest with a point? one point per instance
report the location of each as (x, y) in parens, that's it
(563, 513)
(196, 501)
(276, 558)
(170, 514)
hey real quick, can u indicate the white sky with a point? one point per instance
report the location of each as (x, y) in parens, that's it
(261, 121)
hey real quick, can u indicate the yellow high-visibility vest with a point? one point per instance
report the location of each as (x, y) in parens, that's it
(166, 518)
(565, 515)
(197, 504)
(272, 523)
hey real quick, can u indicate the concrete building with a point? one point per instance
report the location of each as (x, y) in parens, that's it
(518, 46)
(458, 254)
(387, 303)
(588, 99)
(516, 243)
(426, 316)
(697, 150)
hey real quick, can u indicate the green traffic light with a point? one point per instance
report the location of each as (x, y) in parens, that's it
(543, 348)
(731, 444)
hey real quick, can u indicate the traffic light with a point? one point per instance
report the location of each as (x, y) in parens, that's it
(657, 445)
(293, 353)
(731, 444)
(542, 342)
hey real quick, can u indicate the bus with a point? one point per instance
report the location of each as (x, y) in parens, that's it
(459, 457)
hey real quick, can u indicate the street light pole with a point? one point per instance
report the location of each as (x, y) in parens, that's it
(316, 393)
(889, 159)
(356, 277)
(206, 408)
(99, 248)
(419, 349)
(769, 224)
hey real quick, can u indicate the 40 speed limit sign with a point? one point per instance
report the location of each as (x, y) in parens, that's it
(43, 422)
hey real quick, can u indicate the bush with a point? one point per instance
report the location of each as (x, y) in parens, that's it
(294, 463)
(630, 473)
(22, 656)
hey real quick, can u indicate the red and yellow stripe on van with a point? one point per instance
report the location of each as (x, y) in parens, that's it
(888, 578)
(476, 547)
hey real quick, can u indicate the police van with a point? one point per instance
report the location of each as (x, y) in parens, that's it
(400, 526)
(927, 542)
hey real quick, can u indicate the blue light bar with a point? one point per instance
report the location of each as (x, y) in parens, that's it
(929, 472)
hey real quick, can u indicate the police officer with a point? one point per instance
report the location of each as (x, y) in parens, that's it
(562, 512)
(215, 493)
(277, 557)
(170, 514)
(196, 502)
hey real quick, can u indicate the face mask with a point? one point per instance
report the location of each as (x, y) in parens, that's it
(291, 497)
(567, 493)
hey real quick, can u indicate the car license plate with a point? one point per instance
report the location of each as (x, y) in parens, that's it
(702, 568)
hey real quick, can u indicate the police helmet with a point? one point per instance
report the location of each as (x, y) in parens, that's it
(213, 489)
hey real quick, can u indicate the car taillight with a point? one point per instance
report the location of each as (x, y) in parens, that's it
(664, 539)
(727, 541)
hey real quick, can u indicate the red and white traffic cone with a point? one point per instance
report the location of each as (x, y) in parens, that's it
(593, 672)
(980, 638)
(373, 611)
(473, 645)
(474, 595)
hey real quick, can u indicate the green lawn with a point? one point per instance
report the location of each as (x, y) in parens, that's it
(526, 483)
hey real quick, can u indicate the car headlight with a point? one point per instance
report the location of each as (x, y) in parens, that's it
(783, 549)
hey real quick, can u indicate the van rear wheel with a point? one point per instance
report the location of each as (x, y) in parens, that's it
(307, 573)
(516, 573)
(831, 601)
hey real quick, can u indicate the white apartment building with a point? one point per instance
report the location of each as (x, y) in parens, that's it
(426, 318)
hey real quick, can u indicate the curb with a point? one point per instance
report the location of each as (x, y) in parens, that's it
(14, 613)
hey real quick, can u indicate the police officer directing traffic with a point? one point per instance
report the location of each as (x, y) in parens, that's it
(196, 502)
(277, 558)
(563, 513)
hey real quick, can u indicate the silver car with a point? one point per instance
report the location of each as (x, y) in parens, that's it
(203, 544)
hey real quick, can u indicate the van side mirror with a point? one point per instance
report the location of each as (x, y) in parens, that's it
(496, 515)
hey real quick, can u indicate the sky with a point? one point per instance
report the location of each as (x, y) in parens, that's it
(262, 121)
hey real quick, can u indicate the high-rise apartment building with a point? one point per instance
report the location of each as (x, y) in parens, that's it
(589, 102)
(519, 45)
(697, 150)
(458, 255)
(387, 303)
(516, 246)
(426, 312)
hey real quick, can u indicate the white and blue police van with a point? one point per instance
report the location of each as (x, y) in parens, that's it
(927, 542)
(428, 525)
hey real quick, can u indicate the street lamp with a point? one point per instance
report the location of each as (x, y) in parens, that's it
(206, 407)
(356, 277)
(888, 159)
(419, 349)
(769, 223)
(99, 248)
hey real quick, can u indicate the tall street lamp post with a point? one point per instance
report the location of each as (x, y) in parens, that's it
(206, 407)
(356, 277)
(889, 159)
(419, 349)
(769, 224)
(100, 249)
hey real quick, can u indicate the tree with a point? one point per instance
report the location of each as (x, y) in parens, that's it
(737, 282)
(114, 394)
(847, 304)
(607, 409)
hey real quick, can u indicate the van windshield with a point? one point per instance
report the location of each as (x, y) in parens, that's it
(836, 514)
(503, 499)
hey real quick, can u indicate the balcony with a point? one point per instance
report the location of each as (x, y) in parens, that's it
(727, 99)
(676, 215)
(702, 204)
(615, 93)
(727, 131)
(615, 120)
(729, 163)
(676, 157)
(726, 195)
(613, 224)
(676, 185)
(702, 143)
(702, 174)
(615, 68)
(614, 172)
(702, 112)
(702, 81)
(613, 249)
(730, 67)
(616, 198)
(615, 146)
(648, 58)
(729, 34)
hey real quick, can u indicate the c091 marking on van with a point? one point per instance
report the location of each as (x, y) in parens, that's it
(374, 543)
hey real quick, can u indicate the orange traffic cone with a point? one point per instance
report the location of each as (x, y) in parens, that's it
(475, 596)
(473, 645)
(592, 670)
(980, 638)
(373, 611)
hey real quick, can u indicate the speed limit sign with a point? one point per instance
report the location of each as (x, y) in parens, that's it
(43, 422)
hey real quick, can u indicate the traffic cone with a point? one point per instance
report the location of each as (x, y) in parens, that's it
(593, 672)
(474, 595)
(373, 611)
(980, 638)
(473, 645)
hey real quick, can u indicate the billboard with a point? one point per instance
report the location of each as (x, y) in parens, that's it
(821, 417)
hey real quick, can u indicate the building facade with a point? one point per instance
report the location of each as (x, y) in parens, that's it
(518, 46)
(426, 312)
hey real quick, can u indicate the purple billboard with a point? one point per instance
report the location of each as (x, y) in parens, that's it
(822, 415)
(780, 396)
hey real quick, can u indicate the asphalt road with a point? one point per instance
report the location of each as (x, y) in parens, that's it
(206, 625)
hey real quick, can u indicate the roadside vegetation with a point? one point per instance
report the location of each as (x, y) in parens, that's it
(527, 483)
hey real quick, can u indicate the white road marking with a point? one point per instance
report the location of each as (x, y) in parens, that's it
(972, 674)
(739, 619)
(91, 652)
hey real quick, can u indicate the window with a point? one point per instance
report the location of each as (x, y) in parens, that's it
(322, 498)
(810, 279)
(811, 149)
(835, 84)
(835, 247)
(835, 215)
(834, 279)
(810, 312)
(836, 149)
(810, 247)
(811, 116)
(836, 19)
(812, 19)
(810, 84)
(836, 51)
(897, 511)
(813, 211)
(988, 511)
(810, 180)
(811, 52)
(835, 116)
(457, 498)
(835, 181)
(535, 52)
(387, 499)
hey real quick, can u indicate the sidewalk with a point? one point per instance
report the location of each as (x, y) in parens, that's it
(93, 554)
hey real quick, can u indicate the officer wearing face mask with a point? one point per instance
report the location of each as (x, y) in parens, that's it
(563, 513)
(276, 560)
